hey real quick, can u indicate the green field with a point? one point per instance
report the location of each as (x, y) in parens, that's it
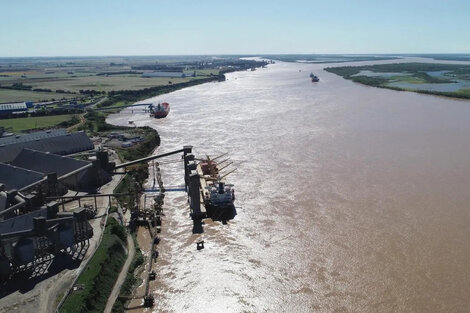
(18, 125)
(100, 74)
(89, 82)
(98, 279)
(102, 83)
(34, 79)
(10, 95)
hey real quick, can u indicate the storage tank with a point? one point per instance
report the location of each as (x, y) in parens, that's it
(24, 251)
(66, 236)
(4, 267)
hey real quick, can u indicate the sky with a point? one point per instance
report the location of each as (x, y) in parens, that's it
(167, 27)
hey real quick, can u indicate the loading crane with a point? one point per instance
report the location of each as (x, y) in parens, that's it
(185, 150)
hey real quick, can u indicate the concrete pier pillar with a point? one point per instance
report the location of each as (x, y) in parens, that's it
(187, 150)
(194, 194)
(190, 168)
(187, 159)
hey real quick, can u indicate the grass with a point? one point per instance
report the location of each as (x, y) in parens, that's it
(417, 74)
(95, 123)
(408, 79)
(131, 280)
(207, 72)
(10, 95)
(144, 148)
(465, 92)
(99, 83)
(132, 182)
(23, 124)
(100, 274)
(126, 185)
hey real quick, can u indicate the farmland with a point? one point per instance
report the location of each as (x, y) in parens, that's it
(99, 83)
(12, 95)
(27, 123)
(44, 79)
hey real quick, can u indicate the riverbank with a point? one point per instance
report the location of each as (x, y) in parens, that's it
(96, 282)
(92, 295)
(126, 97)
(448, 80)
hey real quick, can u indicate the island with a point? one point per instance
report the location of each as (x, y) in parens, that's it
(449, 80)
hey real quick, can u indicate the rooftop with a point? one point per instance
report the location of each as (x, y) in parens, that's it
(33, 136)
(13, 106)
(46, 163)
(61, 144)
(21, 222)
(17, 178)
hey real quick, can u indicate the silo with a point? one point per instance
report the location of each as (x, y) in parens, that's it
(24, 251)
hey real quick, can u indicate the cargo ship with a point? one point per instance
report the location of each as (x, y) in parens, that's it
(218, 196)
(314, 78)
(161, 110)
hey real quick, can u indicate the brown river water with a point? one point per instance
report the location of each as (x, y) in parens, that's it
(350, 198)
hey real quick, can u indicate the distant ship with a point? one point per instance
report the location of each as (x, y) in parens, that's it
(314, 78)
(161, 110)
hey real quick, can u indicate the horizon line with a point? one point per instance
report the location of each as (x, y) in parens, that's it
(229, 54)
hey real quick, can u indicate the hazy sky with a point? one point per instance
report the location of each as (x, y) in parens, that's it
(156, 27)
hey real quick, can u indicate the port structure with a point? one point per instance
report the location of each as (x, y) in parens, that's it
(196, 185)
(30, 240)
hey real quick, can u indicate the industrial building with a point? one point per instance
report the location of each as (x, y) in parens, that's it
(17, 138)
(13, 177)
(34, 170)
(7, 109)
(55, 141)
(77, 175)
(32, 230)
(29, 239)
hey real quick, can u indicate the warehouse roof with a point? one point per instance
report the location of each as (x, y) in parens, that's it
(16, 178)
(61, 145)
(47, 162)
(33, 136)
(13, 106)
(21, 222)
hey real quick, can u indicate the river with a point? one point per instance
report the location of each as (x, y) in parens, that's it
(350, 198)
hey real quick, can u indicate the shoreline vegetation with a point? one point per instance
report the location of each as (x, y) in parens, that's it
(97, 280)
(415, 76)
(95, 283)
(327, 58)
(124, 97)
